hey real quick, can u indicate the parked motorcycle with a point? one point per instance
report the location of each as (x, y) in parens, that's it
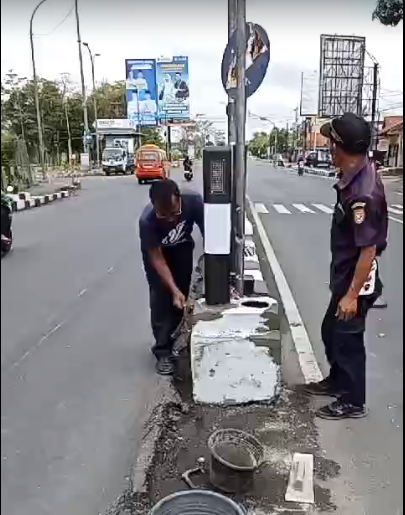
(6, 221)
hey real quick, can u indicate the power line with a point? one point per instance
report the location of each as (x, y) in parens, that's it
(58, 25)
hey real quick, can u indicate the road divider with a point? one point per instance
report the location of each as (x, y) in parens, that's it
(24, 200)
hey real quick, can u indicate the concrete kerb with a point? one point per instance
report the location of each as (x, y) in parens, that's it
(294, 336)
(23, 201)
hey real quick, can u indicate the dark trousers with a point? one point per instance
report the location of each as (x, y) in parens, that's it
(165, 317)
(345, 350)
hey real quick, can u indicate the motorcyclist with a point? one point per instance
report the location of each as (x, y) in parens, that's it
(188, 164)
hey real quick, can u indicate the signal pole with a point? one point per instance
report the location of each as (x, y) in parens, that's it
(240, 147)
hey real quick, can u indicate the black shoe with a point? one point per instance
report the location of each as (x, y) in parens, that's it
(322, 389)
(165, 366)
(340, 410)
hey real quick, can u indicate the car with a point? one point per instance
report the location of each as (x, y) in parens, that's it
(319, 159)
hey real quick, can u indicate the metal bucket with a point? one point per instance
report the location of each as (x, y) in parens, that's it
(235, 456)
(196, 502)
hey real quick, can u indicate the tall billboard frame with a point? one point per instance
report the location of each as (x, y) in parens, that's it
(341, 76)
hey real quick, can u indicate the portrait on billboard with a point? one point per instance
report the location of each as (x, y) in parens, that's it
(142, 92)
(173, 88)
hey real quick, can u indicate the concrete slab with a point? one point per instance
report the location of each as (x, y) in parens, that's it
(233, 361)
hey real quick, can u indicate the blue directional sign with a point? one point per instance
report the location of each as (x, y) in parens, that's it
(257, 60)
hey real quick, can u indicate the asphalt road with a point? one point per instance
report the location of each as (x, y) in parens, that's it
(78, 377)
(296, 213)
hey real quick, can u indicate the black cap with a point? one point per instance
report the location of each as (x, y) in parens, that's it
(350, 132)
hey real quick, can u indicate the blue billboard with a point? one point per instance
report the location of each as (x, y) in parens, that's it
(173, 88)
(142, 93)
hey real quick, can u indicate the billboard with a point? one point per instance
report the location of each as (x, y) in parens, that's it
(142, 99)
(309, 93)
(341, 75)
(173, 89)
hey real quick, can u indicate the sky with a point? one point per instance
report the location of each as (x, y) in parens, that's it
(124, 29)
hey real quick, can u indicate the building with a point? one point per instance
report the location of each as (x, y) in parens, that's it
(391, 141)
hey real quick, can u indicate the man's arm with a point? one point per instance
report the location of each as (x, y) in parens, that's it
(151, 243)
(199, 213)
(364, 235)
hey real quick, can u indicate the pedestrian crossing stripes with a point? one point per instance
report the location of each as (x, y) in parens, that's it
(311, 209)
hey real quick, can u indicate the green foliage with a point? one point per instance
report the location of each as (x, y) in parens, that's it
(152, 136)
(389, 12)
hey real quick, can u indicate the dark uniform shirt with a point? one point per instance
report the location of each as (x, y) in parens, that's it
(174, 238)
(360, 220)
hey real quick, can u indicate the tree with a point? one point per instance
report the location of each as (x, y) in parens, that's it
(152, 136)
(259, 145)
(389, 12)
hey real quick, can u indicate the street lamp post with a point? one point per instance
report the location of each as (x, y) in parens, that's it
(93, 76)
(36, 94)
(84, 101)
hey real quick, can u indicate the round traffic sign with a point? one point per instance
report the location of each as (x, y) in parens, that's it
(257, 60)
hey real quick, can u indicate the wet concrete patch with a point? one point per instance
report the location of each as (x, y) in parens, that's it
(283, 428)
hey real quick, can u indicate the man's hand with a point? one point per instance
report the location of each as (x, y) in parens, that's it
(179, 300)
(348, 307)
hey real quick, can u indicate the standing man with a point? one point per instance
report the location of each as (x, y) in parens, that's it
(358, 237)
(167, 245)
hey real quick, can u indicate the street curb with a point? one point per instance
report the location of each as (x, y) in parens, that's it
(166, 397)
(301, 343)
(24, 201)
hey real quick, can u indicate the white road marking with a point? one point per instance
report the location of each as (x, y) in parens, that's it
(261, 209)
(37, 345)
(281, 209)
(395, 211)
(399, 193)
(305, 352)
(324, 209)
(303, 208)
(396, 220)
(398, 206)
(82, 292)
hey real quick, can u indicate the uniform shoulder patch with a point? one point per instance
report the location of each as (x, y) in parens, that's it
(359, 212)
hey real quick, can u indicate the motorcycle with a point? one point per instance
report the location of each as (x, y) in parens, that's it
(300, 168)
(6, 220)
(188, 172)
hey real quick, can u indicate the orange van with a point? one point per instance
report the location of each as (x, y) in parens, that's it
(151, 164)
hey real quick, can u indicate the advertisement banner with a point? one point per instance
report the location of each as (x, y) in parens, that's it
(142, 105)
(173, 89)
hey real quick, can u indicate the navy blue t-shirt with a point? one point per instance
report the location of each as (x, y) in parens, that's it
(174, 238)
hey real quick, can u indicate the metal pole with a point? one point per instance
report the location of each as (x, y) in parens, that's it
(84, 101)
(36, 94)
(240, 164)
(374, 106)
(93, 76)
(232, 20)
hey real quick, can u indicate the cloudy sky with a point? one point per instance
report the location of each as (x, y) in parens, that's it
(120, 29)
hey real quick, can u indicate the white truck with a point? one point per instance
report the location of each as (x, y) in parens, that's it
(119, 158)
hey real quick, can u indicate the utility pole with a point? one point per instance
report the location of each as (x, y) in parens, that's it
(374, 127)
(65, 103)
(36, 94)
(84, 100)
(93, 76)
(240, 150)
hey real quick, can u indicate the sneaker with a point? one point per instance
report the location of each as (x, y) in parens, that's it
(165, 366)
(322, 389)
(340, 410)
